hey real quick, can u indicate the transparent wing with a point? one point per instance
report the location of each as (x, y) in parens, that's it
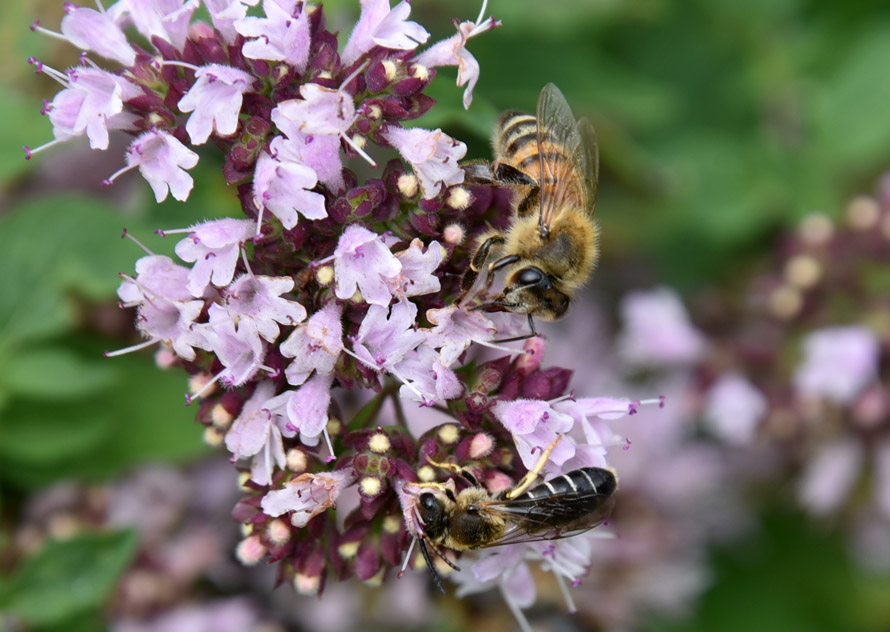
(556, 516)
(568, 155)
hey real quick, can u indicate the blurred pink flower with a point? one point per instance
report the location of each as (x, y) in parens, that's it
(733, 409)
(838, 363)
(656, 330)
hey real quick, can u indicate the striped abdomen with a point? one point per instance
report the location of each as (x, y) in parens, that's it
(575, 501)
(516, 144)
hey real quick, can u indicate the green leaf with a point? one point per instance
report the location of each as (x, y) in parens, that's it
(55, 373)
(68, 578)
(139, 418)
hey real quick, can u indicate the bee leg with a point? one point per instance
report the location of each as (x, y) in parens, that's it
(534, 332)
(476, 262)
(437, 579)
(478, 172)
(532, 474)
(457, 469)
(505, 174)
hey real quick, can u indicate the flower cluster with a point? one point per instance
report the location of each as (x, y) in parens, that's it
(327, 351)
(800, 373)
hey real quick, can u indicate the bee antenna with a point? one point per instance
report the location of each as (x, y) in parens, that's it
(437, 579)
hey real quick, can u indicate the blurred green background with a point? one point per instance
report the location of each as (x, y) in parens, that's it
(720, 123)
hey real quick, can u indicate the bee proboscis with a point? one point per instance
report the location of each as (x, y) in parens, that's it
(549, 251)
(561, 507)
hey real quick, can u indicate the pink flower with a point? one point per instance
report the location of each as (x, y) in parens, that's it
(363, 261)
(591, 414)
(456, 329)
(92, 103)
(224, 14)
(162, 161)
(156, 276)
(428, 380)
(657, 331)
(314, 345)
(258, 433)
(534, 426)
(239, 349)
(319, 153)
(283, 35)
(416, 277)
(166, 19)
(307, 495)
(453, 52)
(733, 408)
(215, 98)
(97, 31)
(308, 407)
(433, 155)
(214, 247)
(386, 336)
(829, 476)
(838, 363)
(379, 25)
(283, 188)
(257, 300)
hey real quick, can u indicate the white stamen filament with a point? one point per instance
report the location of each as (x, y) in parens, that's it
(125, 350)
(114, 176)
(407, 558)
(45, 31)
(130, 236)
(494, 345)
(481, 12)
(170, 62)
(327, 440)
(210, 383)
(515, 609)
(570, 603)
(361, 152)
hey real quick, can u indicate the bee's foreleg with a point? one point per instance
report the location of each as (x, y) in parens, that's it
(534, 332)
(437, 578)
(532, 474)
(476, 263)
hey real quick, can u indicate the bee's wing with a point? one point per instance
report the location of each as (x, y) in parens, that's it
(550, 518)
(568, 155)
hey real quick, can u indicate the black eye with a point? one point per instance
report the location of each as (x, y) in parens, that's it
(530, 276)
(428, 501)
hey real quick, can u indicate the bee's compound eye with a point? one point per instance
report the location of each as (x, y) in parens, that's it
(530, 276)
(429, 501)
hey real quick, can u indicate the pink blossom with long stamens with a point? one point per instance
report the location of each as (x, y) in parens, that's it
(386, 336)
(257, 300)
(535, 425)
(433, 155)
(91, 104)
(214, 247)
(162, 160)
(379, 25)
(455, 329)
(283, 35)
(453, 52)
(166, 19)
(256, 433)
(215, 101)
(97, 31)
(362, 261)
(314, 345)
(307, 495)
(417, 275)
(283, 187)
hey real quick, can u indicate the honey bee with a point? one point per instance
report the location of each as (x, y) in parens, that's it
(551, 162)
(472, 519)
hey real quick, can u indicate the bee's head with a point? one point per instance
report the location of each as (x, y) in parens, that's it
(434, 513)
(529, 290)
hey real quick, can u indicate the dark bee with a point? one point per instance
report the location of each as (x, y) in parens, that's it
(550, 161)
(561, 507)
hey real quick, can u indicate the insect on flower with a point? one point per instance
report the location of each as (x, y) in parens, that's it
(564, 506)
(550, 249)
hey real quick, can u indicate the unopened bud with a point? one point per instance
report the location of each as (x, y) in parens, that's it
(250, 550)
(481, 446)
(458, 198)
(213, 436)
(392, 523)
(785, 302)
(278, 532)
(370, 486)
(307, 584)
(348, 550)
(816, 229)
(379, 443)
(419, 71)
(199, 382)
(426, 473)
(407, 184)
(803, 271)
(220, 417)
(324, 275)
(297, 461)
(454, 234)
(448, 434)
(862, 213)
(390, 69)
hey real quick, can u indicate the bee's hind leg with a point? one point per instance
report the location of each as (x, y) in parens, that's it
(476, 263)
(532, 474)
